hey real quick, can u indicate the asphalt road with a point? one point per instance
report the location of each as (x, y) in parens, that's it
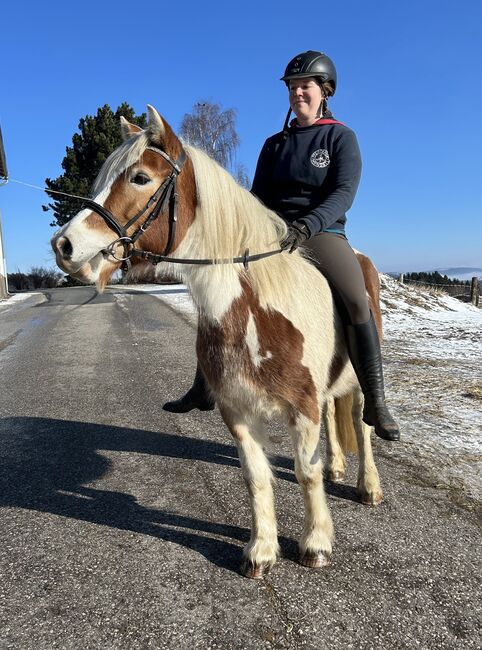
(121, 526)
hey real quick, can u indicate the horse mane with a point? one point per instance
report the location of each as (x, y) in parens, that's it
(231, 220)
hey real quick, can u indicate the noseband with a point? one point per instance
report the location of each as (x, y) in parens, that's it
(164, 195)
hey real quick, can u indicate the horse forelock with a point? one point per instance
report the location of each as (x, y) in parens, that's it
(119, 160)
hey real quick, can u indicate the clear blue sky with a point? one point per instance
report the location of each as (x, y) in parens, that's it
(410, 85)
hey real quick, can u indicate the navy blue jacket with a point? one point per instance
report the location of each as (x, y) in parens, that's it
(311, 176)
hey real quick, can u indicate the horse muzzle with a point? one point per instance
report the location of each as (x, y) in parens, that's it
(64, 251)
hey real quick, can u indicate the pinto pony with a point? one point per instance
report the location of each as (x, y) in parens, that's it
(270, 342)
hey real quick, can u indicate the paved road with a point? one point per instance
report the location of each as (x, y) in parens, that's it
(121, 526)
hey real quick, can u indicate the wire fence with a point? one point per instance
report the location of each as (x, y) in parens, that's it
(470, 291)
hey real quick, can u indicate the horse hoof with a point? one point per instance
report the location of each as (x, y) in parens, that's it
(335, 476)
(371, 499)
(314, 560)
(254, 571)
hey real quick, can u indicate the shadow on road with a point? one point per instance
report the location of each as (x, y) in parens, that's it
(45, 464)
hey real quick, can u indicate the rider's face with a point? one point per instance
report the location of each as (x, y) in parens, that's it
(305, 99)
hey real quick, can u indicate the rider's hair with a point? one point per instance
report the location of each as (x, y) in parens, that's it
(328, 91)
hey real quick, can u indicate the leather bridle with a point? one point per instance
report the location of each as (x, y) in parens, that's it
(165, 195)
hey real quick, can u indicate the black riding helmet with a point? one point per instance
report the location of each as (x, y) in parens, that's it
(311, 64)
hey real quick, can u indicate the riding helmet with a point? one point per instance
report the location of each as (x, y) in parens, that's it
(311, 64)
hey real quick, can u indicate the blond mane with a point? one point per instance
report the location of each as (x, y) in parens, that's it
(231, 220)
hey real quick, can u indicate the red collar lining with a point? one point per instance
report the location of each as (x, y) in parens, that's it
(318, 122)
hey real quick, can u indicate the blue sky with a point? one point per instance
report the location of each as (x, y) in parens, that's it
(410, 86)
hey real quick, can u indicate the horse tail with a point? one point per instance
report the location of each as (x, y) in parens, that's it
(345, 430)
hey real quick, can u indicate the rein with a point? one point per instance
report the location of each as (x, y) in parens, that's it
(164, 195)
(243, 259)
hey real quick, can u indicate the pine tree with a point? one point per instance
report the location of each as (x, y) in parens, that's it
(99, 136)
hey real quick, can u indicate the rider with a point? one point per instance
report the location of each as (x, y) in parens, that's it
(309, 174)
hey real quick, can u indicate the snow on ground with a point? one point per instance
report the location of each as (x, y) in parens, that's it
(433, 367)
(433, 371)
(15, 298)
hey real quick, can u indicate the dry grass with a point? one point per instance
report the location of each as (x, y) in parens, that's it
(418, 361)
(474, 392)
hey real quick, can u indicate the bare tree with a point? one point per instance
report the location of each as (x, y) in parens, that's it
(214, 131)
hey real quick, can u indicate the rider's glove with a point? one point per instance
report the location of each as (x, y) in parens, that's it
(298, 233)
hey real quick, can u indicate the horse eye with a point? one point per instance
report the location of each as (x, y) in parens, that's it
(140, 179)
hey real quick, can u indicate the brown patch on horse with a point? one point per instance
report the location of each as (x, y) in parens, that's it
(372, 284)
(223, 350)
(336, 368)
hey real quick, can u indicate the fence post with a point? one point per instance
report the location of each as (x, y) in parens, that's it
(400, 278)
(474, 292)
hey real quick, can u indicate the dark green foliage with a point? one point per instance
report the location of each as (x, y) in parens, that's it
(99, 136)
(432, 278)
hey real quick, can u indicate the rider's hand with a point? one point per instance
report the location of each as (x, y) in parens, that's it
(297, 234)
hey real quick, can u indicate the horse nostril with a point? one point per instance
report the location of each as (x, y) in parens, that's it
(65, 247)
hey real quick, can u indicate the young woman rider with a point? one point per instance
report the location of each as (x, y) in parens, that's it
(309, 174)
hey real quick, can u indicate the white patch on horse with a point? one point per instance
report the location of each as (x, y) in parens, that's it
(252, 341)
(86, 242)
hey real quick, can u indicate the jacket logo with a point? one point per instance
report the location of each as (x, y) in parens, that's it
(320, 158)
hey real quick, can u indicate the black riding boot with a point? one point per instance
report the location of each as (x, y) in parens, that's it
(197, 397)
(366, 358)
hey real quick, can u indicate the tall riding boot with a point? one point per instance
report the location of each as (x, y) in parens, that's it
(366, 358)
(197, 397)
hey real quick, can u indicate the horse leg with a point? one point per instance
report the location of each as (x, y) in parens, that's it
(368, 483)
(262, 550)
(315, 542)
(334, 469)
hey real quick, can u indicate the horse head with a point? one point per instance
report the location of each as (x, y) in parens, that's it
(136, 184)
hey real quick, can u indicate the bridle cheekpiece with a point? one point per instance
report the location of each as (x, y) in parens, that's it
(165, 195)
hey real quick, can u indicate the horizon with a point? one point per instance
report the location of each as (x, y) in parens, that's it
(443, 270)
(419, 199)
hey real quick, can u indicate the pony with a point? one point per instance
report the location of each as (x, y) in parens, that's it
(269, 341)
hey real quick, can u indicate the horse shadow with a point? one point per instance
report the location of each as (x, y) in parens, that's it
(46, 463)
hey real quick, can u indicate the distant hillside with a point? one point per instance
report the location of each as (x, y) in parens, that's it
(462, 272)
(454, 273)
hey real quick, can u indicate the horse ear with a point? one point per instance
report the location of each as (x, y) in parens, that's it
(128, 129)
(156, 126)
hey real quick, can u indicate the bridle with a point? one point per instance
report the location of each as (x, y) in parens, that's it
(165, 195)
